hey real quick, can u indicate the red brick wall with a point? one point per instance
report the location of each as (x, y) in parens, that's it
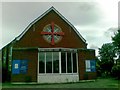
(33, 37)
(85, 55)
(32, 57)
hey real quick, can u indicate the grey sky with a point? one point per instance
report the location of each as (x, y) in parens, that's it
(93, 20)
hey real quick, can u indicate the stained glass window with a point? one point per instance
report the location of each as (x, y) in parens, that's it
(52, 33)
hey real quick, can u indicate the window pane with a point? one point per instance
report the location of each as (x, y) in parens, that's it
(74, 63)
(41, 62)
(55, 62)
(48, 62)
(69, 65)
(63, 62)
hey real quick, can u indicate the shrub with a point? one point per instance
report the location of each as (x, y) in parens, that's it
(116, 71)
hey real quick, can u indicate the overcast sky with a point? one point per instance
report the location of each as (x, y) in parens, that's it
(96, 20)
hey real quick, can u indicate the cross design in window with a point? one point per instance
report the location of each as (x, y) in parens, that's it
(52, 33)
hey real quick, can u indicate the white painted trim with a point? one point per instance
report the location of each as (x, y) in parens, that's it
(45, 61)
(52, 62)
(57, 49)
(77, 61)
(59, 62)
(66, 61)
(58, 73)
(38, 68)
(72, 61)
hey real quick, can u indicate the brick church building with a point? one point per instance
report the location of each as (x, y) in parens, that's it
(49, 50)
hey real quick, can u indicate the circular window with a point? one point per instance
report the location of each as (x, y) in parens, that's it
(52, 33)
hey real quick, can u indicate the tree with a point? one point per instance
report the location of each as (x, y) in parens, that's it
(106, 54)
(116, 42)
(116, 71)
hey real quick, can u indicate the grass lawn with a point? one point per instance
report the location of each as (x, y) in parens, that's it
(98, 83)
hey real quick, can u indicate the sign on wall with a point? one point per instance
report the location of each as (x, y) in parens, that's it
(19, 66)
(15, 66)
(90, 65)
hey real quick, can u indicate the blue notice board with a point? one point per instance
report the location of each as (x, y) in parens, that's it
(93, 65)
(19, 66)
(15, 66)
(24, 66)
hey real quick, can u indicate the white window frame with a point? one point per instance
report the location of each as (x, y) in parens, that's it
(59, 62)
(77, 61)
(45, 62)
(66, 61)
(52, 63)
(60, 72)
(72, 61)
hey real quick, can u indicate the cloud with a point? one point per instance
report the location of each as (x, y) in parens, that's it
(83, 13)
(113, 29)
(94, 36)
(94, 46)
(110, 32)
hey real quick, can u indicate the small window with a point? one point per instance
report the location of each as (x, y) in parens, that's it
(90, 65)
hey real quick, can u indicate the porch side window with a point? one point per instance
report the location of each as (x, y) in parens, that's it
(41, 62)
(55, 62)
(74, 63)
(69, 63)
(48, 62)
(63, 62)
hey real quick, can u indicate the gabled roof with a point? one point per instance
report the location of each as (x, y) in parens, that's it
(45, 13)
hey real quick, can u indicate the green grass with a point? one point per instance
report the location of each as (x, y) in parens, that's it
(98, 83)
